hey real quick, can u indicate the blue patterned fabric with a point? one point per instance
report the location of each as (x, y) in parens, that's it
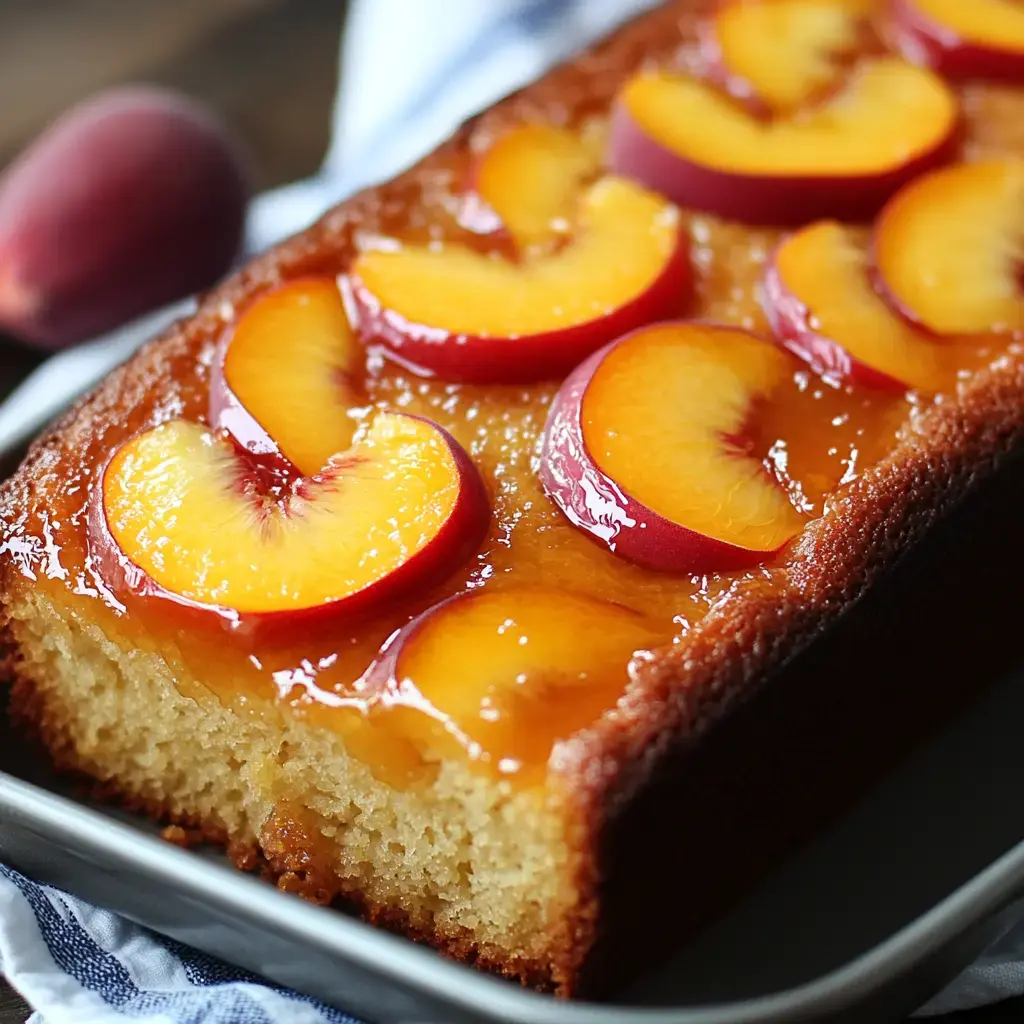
(79, 965)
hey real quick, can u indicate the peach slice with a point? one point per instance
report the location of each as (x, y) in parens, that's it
(842, 158)
(500, 676)
(290, 353)
(782, 53)
(821, 306)
(644, 449)
(947, 249)
(179, 515)
(972, 39)
(463, 315)
(531, 178)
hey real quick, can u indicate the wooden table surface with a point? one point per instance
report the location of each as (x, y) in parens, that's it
(269, 66)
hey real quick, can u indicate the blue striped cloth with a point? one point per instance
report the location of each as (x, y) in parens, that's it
(77, 964)
(80, 965)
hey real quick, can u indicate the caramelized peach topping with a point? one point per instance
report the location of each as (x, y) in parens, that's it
(691, 448)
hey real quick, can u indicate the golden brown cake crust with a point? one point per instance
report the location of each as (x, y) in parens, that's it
(287, 854)
(742, 641)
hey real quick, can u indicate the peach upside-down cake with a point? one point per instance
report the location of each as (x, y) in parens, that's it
(407, 565)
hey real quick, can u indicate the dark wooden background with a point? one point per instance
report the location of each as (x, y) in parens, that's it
(268, 66)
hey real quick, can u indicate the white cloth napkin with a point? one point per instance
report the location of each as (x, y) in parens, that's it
(77, 964)
(456, 58)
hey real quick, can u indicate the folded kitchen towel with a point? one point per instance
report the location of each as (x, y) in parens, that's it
(76, 964)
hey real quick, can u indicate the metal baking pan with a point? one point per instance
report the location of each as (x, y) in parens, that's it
(864, 924)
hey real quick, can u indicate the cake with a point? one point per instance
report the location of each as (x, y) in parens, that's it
(424, 562)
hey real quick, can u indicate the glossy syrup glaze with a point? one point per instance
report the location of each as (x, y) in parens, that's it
(814, 439)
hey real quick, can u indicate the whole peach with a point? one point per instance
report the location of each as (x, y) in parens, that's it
(131, 199)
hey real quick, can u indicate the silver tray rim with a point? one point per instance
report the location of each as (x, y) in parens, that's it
(95, 834)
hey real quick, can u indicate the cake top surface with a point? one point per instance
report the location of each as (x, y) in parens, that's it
(502, 453)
